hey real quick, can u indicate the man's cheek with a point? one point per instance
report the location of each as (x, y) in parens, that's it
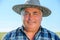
(38, 18)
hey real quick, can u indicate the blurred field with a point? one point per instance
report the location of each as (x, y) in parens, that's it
(2, 34)
(58, 33)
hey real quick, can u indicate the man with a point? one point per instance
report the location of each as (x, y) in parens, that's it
(32, 13)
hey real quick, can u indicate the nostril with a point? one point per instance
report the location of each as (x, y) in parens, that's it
(29, 18)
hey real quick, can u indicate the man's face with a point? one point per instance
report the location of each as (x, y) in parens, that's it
(32, 18)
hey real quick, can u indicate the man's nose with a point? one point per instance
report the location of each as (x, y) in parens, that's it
(30, 16)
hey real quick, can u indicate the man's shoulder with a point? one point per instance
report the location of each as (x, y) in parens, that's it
(50, 33)
(12, 33)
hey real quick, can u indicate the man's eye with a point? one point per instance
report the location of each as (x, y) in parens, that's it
(26, 13)
(35, 13)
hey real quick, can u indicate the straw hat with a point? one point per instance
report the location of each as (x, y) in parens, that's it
(32, 3)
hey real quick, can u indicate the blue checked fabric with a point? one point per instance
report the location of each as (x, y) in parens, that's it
(42, 34)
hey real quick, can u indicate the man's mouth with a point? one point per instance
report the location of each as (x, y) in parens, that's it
(31, 22)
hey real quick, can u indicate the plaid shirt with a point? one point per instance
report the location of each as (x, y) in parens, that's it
(42, 34)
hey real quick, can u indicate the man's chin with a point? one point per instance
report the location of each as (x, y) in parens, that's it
(31, 26)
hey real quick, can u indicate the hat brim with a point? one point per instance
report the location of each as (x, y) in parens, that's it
(17, 8)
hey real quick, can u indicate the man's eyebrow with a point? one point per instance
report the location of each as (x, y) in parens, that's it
(26, 11)
(34, 12)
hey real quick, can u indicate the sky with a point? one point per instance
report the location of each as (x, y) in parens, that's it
(10, 20)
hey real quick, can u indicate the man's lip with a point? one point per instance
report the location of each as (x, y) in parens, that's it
(31, 22)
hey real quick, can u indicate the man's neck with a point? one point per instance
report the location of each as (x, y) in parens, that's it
(31, 33)
(31, 30)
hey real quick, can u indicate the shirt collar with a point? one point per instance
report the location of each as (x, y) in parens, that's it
(36, 35)
(22, 28)
(41, 30)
